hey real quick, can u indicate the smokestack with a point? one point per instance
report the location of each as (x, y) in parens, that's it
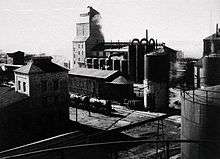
(146, 34)
(216, 29)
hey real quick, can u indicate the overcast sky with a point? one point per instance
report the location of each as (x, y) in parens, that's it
(48, 26)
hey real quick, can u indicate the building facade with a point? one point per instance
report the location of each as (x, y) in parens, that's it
(104, 84)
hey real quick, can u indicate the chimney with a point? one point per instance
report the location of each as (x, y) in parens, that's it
(146, 34)
(217, 31)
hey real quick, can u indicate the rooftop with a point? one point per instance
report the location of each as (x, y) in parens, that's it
(80, 38)
(120, 80)
(110, 45)
(40, 65)
(8, 96)
(213, 37)
(94, 73)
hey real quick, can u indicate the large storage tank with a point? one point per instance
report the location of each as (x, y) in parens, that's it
(109, 64)
(211, 65)
(95, 63)
(200, 113)
(189, 77)
(102, 63)
(116, 64)
(124, 67)
(185, 74)
(132, 61)
(140, 62)
(156, 83)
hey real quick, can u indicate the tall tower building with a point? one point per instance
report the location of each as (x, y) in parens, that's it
(88, 34)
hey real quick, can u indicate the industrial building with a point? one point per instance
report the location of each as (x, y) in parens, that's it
(88, 34)
(91, 51)
(37, 105)
(103, 84)
(200, 107)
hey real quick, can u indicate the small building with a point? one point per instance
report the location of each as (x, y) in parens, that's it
(104, 84)
(38, 105)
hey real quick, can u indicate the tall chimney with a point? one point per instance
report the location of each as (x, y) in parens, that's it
(217, 30)
(146, 34)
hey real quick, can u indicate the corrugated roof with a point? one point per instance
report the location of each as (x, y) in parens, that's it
(8, 96)
(94, 73)
(120, 80)
(80, 38)
(40, 67)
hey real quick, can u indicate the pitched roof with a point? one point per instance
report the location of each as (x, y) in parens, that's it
(8, 96)
(40, 67)
(80, 38)
(120, 80)
(212, 37)
(94, 73)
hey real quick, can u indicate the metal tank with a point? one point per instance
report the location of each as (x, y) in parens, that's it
(132, 60)
(116, 64)
(124, 66)
(102, 63)
(156, 83)
(200, 111)
(88, 62)
(185, 74)
(211, 65)
(95, 63)
(108, 64)
(189, 76)
(140, 61)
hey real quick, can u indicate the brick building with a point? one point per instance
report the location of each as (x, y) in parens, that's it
(104, 84)
(38, 105)
(88, 33)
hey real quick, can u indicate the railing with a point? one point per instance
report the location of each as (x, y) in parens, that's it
(203, 97)
(65, 152)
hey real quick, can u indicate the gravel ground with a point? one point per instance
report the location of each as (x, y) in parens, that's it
(150, 131)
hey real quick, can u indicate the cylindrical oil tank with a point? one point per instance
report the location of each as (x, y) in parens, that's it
(211, 65)
(102, 63)
(200, 111)
(140, 62)
(116, 64)
(124, 67)
(95, 63)
(156, 83)
(88, 62)
(157, 67)
(108, 64)
(189, 76)
(132, 62)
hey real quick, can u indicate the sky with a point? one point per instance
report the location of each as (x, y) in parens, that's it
(48, 26)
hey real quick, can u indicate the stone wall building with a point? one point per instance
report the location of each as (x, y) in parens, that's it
(104, 84)
(38, 106)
